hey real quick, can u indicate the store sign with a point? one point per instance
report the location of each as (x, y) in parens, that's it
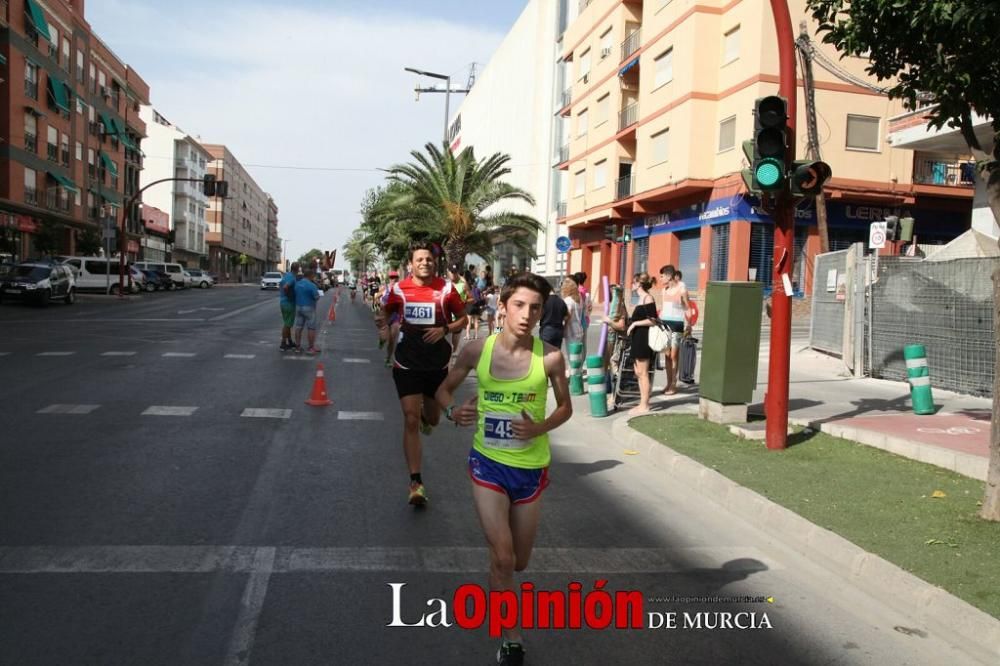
(132, 247)
(26, 224)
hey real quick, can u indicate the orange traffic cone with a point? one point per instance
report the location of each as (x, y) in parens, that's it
(332, 316)
(319, 397)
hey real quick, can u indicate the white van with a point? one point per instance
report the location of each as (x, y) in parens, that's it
(97, 274)
(175, 271)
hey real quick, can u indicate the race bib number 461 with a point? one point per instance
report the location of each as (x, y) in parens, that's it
(419, 313)
(498, 432)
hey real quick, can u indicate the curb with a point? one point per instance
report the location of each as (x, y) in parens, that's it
(952, 619)
(965, 464)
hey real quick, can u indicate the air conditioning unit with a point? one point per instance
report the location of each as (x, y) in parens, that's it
(605, 52)
(105, 92)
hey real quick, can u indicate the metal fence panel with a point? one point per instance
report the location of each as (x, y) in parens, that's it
(826, 331)
(946, 306)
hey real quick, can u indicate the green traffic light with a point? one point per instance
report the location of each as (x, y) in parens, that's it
(769, 173)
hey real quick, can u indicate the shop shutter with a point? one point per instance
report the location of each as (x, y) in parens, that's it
(802, 268)
(720, 252)
(687, 262)
(640, 257)
(762, 252)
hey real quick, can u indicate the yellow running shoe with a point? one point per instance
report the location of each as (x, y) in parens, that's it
(418, 496)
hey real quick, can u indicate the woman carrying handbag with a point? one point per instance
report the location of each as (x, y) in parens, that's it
(643, 316)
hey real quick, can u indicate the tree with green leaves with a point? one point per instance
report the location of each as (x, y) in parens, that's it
(945, 55)
(88, 242)
(461, 200)
(48, 238)
(360, 253)
(310, 257)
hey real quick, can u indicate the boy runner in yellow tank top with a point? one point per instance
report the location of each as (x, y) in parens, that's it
(509, 460)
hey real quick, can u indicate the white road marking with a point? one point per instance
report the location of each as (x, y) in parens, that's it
(439, 559)
(298, 357)
(164, 410)
(267, 413)
(359, 416)
(240, 356)
(119, 353)
(60, 353)
(357, 360)
(251, 605)
(68, 409)
(178, 355)
(4, 353)
(241, 310)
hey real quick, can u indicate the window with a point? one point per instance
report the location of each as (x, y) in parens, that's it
(65, 54)
(606, 44)
(53, 144)
(64, 149)
(30, 190)
(579, 182)
(600, 174)
(731, 45)
(93, 78)
(660, 146)
(79, 106)
(79, 151)
(54, 42)
(76, 198)
(102, 80)
(30, 132)
(603, 109)
(727, 134)
(91, 167)
(79, 66)
(30, 79)
(581, 124)
(585, 66)
(664, 68)
(862, 132)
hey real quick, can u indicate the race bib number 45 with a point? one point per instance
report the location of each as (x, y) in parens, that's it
(419, 313)
(498, 432)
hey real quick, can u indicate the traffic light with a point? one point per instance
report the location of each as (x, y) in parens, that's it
(808, 177)
(610, 232)
(209, 185)
(626, 234)
(770, 143)
(222, 189)
(748, 179)
(891, 227)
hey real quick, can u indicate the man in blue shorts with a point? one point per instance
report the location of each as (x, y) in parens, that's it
(306, 295)
(286, 300)
(509, 460)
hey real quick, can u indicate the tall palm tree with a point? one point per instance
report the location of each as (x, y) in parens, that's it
(461, 199)
(359, 253)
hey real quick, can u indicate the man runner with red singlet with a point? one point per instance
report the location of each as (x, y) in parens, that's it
(425, 304)
(509, 460)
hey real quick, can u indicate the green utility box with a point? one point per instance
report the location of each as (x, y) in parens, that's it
(731, 341)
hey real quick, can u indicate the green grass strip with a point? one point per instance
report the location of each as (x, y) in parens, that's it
(882, 502)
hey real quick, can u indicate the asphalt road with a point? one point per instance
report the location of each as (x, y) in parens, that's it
(147, 517)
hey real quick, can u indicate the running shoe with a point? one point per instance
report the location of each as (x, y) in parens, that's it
(418, 496)
(284, 347)
(425, 427)
(381, 343)
(312, 350)
(388, 362)
(510, 654)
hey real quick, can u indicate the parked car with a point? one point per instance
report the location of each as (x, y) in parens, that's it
(97, 274)
(159, 280)
(40, 282)
(175, 271)
(200, 278)
(270, 280)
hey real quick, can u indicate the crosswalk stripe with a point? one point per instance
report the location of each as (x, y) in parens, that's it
(56, 353)
(165, 410)
(357, 360)
(4, 353)
(119, 353)
(252, 412)
(178, 355)
(240, 356)
(68, 409)
(360, 416)
(298, 357)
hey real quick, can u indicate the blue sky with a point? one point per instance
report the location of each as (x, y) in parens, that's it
(312, 91)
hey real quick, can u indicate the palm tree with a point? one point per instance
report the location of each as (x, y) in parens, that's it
(460, 200)
(359, 252)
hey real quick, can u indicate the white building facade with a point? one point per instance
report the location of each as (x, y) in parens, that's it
(511, 109)
(172, 153)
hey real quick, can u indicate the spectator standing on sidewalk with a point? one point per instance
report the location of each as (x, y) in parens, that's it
(552, 325)
(643, 316)
(673, 314)
(286, 301)
(573, 330)
(306, 296)
(586, 305)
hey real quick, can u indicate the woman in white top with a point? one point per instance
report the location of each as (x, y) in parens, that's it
(673, 314)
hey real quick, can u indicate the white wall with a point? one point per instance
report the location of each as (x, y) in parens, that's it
(510, 109)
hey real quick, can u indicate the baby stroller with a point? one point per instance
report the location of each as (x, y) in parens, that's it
(624, 383)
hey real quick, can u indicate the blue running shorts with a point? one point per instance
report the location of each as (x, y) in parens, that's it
(522, 486)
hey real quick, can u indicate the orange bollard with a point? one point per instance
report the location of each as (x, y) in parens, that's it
(332, 316)
(319, 397)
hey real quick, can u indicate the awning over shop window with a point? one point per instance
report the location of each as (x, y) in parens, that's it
(65, 182)
(58, 91)
(108, 163)
(37, 17)
(629, 66)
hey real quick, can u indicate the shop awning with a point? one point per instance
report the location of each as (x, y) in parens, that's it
(37, 17)
(629, 66)
(58, 91)
(108, 163)
(65, 182)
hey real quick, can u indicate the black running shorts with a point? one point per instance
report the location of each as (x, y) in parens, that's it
(417, 382)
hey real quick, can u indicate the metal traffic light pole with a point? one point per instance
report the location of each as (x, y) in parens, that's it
(776, 399)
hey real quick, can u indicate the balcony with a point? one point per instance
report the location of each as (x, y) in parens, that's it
(949, 173)
(31, 196)
(563, 153)
(626, 186)
(630, 45)
(57, 199)
(561, 209)
(567, 96)
(52, 152)
(628, 116)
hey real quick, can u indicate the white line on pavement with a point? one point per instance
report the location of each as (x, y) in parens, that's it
(68, 409)
(251, 605)
(178, 355)
(164, 410)
(59, 353)
(267, 413)
(298, 357)
(357, 360)
(240, 356)
(240, 311)
(360, 416)
(4, 353)
(119, 353)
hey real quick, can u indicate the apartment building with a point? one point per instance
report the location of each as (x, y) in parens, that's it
(69, 130)
(238, 225)
(172, 153)
(273, 240)
(155, 243)
(657, 101)
(511, 110)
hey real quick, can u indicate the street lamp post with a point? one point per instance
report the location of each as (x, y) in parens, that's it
(447, 93)
(284, 251)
